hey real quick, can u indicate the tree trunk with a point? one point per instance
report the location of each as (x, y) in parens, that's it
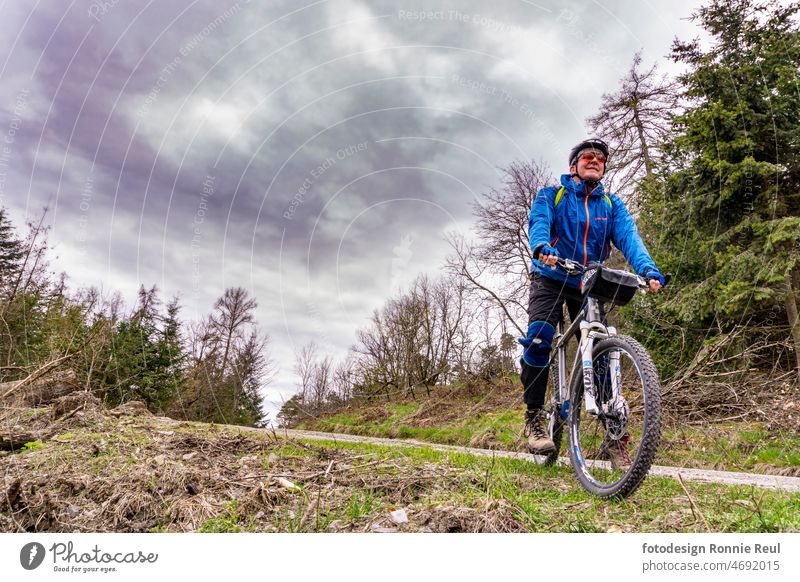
(792, 288)
(648, 162)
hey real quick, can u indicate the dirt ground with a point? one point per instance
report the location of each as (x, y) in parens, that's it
(124, 470)
(70, 465)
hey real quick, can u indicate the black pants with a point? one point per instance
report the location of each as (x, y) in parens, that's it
(545, 304)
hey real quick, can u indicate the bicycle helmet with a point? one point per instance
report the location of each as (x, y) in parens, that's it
(591, 143)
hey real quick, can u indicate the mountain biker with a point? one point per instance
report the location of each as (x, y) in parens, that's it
(578, 221)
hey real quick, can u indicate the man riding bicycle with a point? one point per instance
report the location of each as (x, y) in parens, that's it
(577, 221)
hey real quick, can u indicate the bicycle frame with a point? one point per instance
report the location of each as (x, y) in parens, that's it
(591, 329)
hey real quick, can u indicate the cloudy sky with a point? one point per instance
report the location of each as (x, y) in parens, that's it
(314, 152)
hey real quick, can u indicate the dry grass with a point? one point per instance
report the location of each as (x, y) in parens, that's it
(125, 471)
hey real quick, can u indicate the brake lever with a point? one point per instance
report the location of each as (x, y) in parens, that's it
(570, 267)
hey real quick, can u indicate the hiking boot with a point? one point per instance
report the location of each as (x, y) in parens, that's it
(539, 442)
(616, 451)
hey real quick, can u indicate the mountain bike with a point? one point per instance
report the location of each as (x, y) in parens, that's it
(612, 396)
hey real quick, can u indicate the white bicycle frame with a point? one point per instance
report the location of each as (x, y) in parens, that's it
(591, 330)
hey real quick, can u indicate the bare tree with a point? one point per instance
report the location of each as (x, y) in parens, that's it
(229, 363)
(636, 121)
(304, 361)
(314, 375)
(342, 379)
(234, 310)
(502, 218)
(322, 380)
(504, 295)
(416, 339)
(495, 267)
(322, 384)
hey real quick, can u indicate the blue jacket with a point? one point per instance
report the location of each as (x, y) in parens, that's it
(582, 228)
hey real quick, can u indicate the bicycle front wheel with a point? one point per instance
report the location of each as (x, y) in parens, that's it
(612, 450)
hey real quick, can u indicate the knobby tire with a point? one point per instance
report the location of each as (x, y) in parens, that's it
(623, 483)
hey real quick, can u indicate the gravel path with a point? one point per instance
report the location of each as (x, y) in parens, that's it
(725, 477)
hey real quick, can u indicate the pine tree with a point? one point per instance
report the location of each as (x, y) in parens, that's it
(11, 252)
(146, 355)
(26, 295)
(729, 213)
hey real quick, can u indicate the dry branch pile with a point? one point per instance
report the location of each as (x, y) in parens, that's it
(727, 381)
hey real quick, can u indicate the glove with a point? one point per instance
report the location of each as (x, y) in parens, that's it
(547, 250)
(655, 275)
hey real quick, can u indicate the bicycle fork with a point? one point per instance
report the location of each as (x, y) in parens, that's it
(561, 392)
(590, 332)
(613, 409)
(586, 345)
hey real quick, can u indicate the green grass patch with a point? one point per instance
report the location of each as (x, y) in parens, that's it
(226, 523)
(361, 504)
(467, 420)
(735, 447)
(501, 427)
(549, 499)
(32, 446)
(402, 410)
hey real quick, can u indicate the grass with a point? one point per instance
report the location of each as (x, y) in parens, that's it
(229, 522)
(361, 504)
(155, 474)
(549, 498)
(134, 477)
(32, 446)
(732, 446)
(489, 421)
(503, 425)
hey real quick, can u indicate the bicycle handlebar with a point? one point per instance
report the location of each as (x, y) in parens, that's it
(571, 267)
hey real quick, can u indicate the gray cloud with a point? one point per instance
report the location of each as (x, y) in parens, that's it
(341, 139)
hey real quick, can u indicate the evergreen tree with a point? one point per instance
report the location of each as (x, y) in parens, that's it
(26, 295)
(11, 253)
(251, 368)
(729, 213)
(146, 355)
(293, 411)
